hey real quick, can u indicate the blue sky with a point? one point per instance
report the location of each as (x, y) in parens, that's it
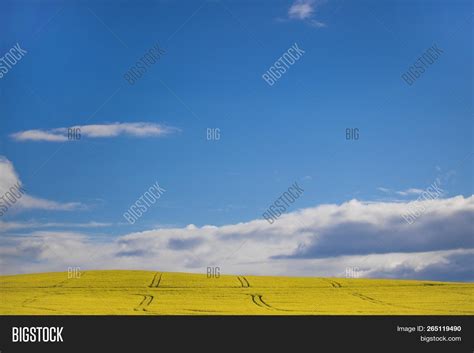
(211, 77)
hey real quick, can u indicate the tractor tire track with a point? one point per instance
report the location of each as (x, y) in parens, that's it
(27, 303)
(368, 299)
(146, 301)
(257, 299)
(155, 282)
(334, 284)
(60, 284)
(265, 304)
(243, 282)
(379, 302)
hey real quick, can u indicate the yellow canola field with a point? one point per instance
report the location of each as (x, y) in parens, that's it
(157, 293)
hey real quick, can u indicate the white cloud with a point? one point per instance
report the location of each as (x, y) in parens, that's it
(318, 241)
(9, 178)
(304, 10)
(40, 135)
(32, 202)
(301, 9)
(7, 226)
(411, 191)
(317, 24)
(140, 129)
(407, 192)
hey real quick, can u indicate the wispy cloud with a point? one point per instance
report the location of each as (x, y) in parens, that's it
(407, 192)
(140, 129)
(411, 191)
(8, 226)
(302, 9)
(316, 23)
(9, 177)
(305, 10)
